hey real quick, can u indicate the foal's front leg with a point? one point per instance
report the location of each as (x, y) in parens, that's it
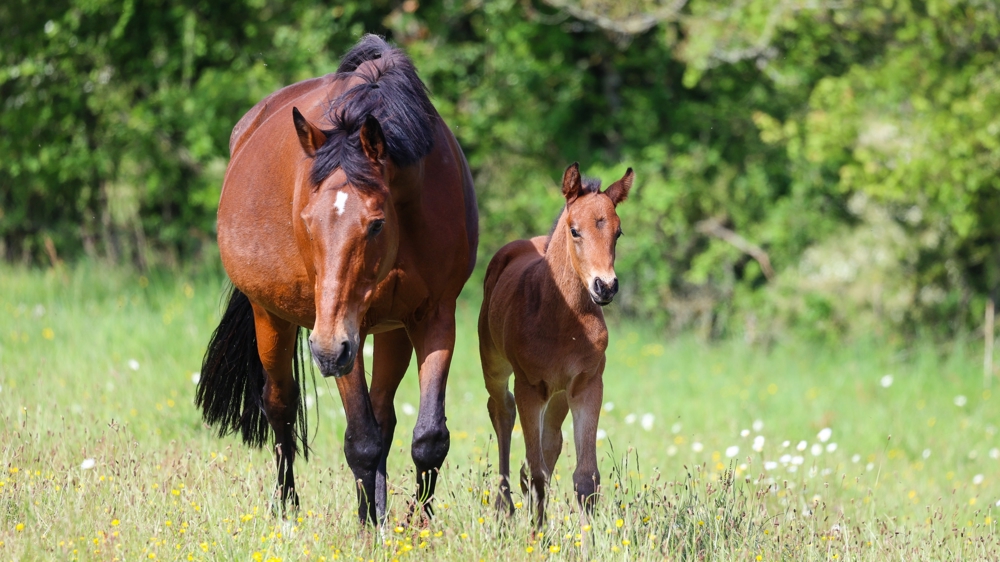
(530, 404)
(585, 394)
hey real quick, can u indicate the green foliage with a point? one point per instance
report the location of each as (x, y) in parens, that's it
(789, 125)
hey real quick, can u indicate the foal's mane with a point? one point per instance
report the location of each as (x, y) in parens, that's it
(390, 90)
(587, 185)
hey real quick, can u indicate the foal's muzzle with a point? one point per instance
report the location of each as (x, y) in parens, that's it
(602, 293)
(336, 361)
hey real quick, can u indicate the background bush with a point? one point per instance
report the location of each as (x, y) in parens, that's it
(853, 144)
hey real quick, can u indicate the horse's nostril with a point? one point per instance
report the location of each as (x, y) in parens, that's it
(614, 286)
(344, 355)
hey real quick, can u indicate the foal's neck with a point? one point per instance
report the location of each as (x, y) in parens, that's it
(563, 275)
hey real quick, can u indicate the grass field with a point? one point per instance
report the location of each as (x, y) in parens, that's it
(709, 451)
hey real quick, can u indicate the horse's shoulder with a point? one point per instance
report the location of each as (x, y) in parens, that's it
(266, 107)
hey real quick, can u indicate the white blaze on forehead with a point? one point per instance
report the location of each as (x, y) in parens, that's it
(339, 202)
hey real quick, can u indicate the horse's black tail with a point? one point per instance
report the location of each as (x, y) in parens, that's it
(231, 386)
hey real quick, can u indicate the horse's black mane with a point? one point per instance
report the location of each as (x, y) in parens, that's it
(587, 185)
(390, 91)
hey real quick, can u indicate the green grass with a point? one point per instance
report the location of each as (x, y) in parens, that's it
(97, 364)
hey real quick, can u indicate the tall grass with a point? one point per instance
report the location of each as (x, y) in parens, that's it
(708, 451)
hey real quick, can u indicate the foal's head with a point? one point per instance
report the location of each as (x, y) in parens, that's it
(593, 227)
(353, 236)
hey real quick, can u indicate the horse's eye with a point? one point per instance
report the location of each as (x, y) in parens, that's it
(619, 234)
(574, 232)
(376, 227)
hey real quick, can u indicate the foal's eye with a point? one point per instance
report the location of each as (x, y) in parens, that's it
(574, 232)
(619, 234)
(376, 227)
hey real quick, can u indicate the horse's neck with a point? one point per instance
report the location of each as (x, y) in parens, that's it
(407, 183)
(564, 278)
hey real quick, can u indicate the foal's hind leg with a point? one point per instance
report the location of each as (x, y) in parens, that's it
(276, 346)
(392, 357)
(503, 412)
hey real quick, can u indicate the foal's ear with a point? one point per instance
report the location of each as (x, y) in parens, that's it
(618, 191)
(373, 141)
(310, 136)
(571, 182)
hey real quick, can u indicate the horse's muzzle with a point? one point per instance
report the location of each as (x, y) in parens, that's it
(336, 362)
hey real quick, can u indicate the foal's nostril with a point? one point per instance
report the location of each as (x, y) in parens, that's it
(599, 286)
(614, 286)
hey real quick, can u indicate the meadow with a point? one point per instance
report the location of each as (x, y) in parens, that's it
(869, 450)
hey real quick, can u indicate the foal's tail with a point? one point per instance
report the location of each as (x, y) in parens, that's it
(231, 387)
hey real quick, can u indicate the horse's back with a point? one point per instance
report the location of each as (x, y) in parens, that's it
(267, 107)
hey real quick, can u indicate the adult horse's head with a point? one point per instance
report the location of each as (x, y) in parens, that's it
(594, 229)
(353, 236)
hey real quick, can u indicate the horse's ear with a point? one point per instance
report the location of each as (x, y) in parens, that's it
(373, 140)
(618, 191)
(572, 184)
(310, 136)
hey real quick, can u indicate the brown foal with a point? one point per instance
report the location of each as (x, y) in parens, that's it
(541, 319)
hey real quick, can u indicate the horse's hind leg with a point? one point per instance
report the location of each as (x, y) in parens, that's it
(276, 346)
(392, 357)
(503, 412)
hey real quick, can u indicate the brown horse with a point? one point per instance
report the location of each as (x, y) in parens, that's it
(366, 226)
(541, 318)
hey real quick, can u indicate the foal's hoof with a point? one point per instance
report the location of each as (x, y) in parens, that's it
(504, 503)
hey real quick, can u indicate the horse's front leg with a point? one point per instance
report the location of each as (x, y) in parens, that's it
(362, 440)
(392, 357)
(276, 346)
(434, 341)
